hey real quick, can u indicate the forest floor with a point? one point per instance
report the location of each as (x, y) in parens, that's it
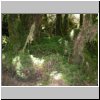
(52, 66)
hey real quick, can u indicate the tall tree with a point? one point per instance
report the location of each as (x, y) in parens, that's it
(34, 32)
(37, 21)
(59, 24)
(65, 24)
(19, 26)
(16, 32)
(87, 33)
(81, 20)
(94, 18)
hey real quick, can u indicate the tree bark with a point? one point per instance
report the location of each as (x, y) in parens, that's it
(15, 29)
(34, 32)
(87, 33)
(65, 24)
(81, 20)
(59, 24)
(37, 20)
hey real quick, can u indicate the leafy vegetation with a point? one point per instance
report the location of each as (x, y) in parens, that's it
(48, 56)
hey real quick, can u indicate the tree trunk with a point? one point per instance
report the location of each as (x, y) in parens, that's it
(37, 20)
(87, 33)
(81, 20)
(16, 32)
(59, 24)
(34, 32)
(94, 18)
(65, 24)
(66, 27)
(18, 27)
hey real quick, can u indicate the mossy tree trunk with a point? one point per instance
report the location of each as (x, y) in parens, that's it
(34, 31)
(87, 34)
(18, 27)
(16, 32)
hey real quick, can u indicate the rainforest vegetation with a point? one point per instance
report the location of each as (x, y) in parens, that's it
(49, 49)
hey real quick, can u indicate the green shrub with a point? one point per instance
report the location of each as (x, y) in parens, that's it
(23, 66)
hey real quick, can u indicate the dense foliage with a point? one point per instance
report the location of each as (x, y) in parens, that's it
(50, 49)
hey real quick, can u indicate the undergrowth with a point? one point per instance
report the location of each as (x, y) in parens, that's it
(55, 52)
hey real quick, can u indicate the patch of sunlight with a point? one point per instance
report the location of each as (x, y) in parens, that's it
(51, 17)
(4, 39)
(16, 59)
(72, 34)
(38, 62)
(60, 40)
(55, 75)
(49, 37)
(58, 76)
(16, 62)
(43, 27)
(77, 17)
(22, 75)
(39, 84)
(78, 25)
(18, 65)
(3, 56)
(66, 43)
